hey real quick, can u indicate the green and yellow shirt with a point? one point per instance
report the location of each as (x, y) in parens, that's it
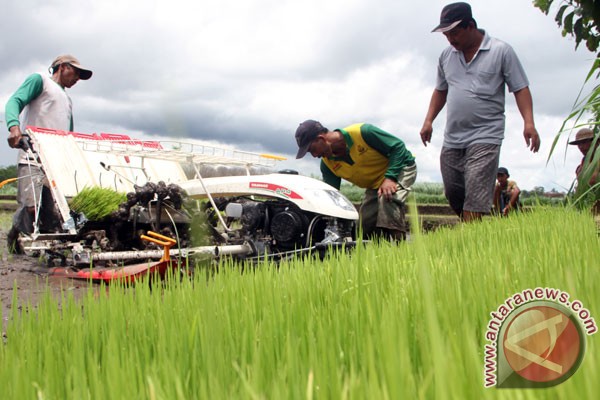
(372, 155)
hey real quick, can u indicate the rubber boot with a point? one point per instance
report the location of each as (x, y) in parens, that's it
(12, 241)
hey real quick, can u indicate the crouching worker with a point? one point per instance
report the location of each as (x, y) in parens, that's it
(369, 158)
(506, 193)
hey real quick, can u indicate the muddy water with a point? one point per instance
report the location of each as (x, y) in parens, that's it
(30, 279)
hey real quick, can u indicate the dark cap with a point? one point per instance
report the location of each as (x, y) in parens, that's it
(306, 133)
(452, 15)
(582, 136)
(503, 171)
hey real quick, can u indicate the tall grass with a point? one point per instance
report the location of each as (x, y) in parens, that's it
(387, 321)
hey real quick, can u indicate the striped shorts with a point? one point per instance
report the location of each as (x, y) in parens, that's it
(469, 176)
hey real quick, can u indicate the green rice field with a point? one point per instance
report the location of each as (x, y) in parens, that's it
(385, 321)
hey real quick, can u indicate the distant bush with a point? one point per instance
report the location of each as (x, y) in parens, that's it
(433, 193)
(429, 193)
(542, 201)
(353, 193)
(7, 173)
(424, 192)
(424, 198)
(9, 190)
(431, 188)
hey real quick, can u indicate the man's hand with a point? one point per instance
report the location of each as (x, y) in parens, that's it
(525, 105)
(387, 189)
(14, 137)
(426, 132)
(438, 101)
(532, 138)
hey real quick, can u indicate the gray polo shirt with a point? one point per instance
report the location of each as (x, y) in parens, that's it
(476, 94)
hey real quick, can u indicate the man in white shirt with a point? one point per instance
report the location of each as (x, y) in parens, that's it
(45, 103)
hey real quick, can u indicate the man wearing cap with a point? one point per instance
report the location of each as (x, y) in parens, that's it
(45, 103)
(370, 158)
(584, 139)
(471, 75)
(506, 193)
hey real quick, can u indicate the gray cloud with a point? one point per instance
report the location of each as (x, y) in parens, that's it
(246, 73)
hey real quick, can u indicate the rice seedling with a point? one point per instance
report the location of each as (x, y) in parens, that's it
(385, 321)
(97, 203)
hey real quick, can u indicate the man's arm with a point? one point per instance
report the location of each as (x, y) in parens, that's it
(525, 105)
(514, 198)
(28, 91)
(396, 152)
(437, 103)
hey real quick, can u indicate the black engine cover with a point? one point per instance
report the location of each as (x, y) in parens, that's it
(287, 227)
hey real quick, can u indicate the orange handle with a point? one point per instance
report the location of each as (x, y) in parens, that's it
(162, 240)
(9, 180)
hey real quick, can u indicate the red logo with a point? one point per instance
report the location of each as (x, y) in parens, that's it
(543, 346)
(279, 190)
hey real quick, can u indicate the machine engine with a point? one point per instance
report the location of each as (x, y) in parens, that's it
(277, 226)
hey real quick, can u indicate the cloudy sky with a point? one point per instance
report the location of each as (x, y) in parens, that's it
(247, 72)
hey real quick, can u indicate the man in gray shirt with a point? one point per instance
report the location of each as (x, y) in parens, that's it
(471, 77)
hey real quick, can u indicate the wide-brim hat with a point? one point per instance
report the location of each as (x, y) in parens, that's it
(583, 135)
